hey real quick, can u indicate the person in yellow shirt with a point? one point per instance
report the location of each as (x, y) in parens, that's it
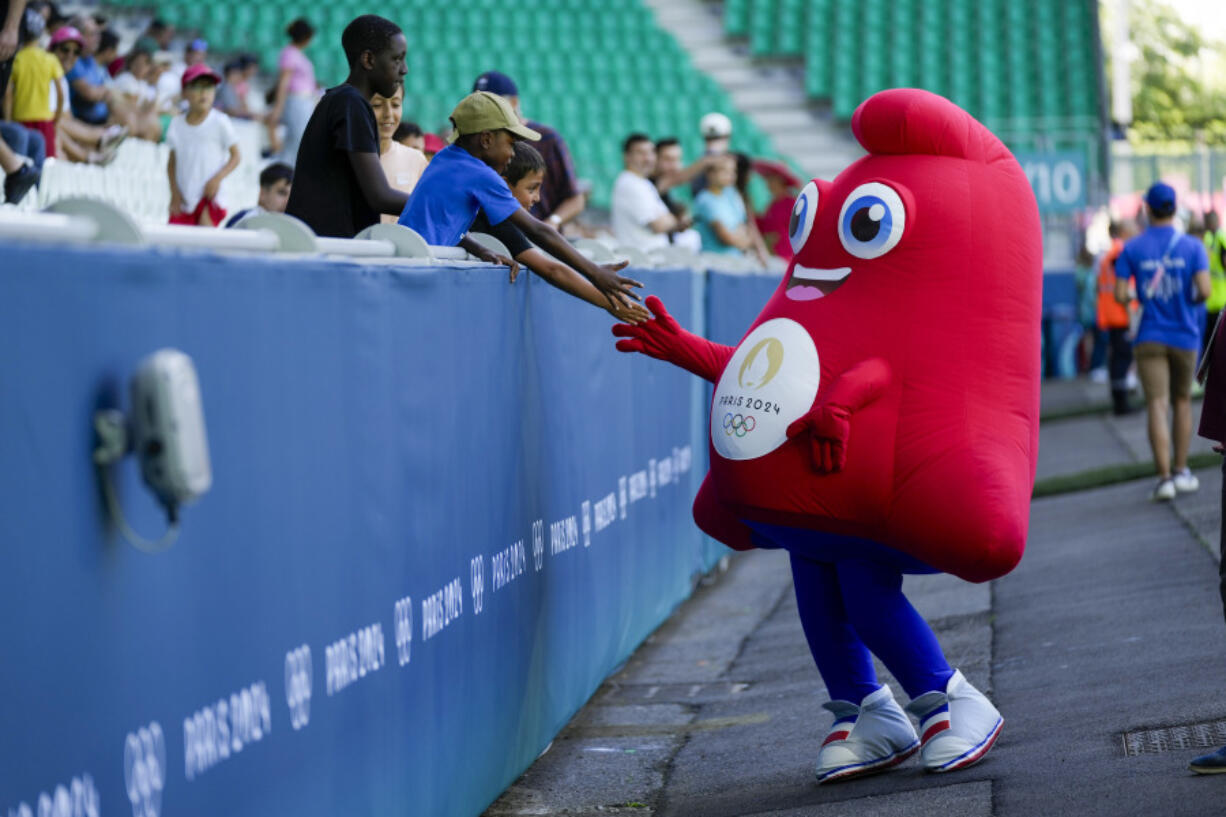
(28, 97)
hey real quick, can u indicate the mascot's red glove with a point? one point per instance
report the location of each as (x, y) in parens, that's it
(664, 339)
(829, 421)
(829, 427)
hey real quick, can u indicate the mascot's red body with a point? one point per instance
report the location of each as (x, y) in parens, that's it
(889, 390)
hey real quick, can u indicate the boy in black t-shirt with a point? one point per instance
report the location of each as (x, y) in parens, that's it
(339, 186)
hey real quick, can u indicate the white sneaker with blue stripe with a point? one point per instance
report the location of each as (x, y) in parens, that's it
(958, 735)
(864, 739)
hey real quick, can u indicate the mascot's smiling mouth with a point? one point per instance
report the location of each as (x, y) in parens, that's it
(809, 284)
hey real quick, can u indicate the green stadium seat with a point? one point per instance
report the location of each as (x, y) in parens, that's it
(790, 40)
(736, 17)
(763, 24)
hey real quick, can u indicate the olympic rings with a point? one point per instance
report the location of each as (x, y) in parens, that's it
(740, 425)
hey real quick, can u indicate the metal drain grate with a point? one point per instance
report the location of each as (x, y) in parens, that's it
(1174, 738)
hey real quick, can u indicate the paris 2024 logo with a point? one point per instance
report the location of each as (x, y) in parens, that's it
(771, 381)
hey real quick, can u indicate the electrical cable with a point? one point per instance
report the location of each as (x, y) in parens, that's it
(121, 522)
(112, 446)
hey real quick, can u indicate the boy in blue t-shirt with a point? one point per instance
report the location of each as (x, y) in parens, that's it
(1172, 284)
(463, 179)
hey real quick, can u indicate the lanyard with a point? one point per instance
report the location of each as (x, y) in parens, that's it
(1162, 265)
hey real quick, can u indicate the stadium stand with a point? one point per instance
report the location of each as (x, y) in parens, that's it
(1019, 67)
(136, 181)
(558, 51)
(1026, 70)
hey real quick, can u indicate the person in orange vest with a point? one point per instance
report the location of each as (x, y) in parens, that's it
(1115, 318)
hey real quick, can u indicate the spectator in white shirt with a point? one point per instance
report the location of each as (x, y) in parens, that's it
(203, 152)
(133, 82)
(133, 94)
(640, 218)
(166, 81)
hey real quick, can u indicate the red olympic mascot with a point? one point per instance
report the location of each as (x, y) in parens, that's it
(880, 417)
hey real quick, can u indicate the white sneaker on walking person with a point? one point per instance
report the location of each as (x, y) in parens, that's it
(1186, 482)
(1164, 491)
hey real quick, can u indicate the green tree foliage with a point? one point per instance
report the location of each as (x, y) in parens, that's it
(1175, 95)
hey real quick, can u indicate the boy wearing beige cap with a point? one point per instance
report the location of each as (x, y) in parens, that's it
(463, 179)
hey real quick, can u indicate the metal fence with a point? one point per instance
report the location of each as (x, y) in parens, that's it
(1198, 172)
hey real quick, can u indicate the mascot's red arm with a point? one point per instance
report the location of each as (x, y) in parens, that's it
(664, 339)
(829, 421)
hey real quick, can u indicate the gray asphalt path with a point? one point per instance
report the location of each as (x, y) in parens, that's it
(1105, 650)
(1111, 624)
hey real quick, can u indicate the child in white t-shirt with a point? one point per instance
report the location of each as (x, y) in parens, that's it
(200, 142)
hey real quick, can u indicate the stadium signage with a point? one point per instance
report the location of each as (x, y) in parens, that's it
(1058, 179)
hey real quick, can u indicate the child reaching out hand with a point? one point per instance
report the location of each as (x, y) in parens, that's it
(524, 174)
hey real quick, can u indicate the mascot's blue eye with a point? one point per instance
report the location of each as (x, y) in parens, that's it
(803, 213)
(872, 221)
(798, 216)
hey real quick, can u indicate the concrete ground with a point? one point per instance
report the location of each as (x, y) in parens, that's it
(1105, 651)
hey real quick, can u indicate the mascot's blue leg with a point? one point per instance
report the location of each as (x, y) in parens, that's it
(842, 658)
(890, 626)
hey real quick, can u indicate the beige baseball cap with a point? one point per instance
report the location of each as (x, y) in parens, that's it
(482, 111)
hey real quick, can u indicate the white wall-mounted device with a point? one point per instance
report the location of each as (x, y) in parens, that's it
(166, 431)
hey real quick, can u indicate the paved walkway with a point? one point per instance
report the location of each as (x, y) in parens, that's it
(1107, 635)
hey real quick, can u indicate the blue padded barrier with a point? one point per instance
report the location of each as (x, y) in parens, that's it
(444, 509)
(734, 301)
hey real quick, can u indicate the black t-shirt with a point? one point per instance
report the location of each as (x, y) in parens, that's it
(325, 193)
(7, 65)
(506, 232)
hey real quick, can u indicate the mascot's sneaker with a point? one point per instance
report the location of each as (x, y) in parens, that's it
(961, 735)
(880, 736)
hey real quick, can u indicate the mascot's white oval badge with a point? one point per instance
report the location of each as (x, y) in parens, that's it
(769, 384)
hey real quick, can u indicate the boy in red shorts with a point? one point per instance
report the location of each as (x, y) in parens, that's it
(203, 151)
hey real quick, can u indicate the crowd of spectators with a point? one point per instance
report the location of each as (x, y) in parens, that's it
(648, 212)
(70, 94)
(349, 159)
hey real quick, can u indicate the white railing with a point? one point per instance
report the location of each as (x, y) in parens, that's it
(136, 183)
(89, 219)
(85, 220)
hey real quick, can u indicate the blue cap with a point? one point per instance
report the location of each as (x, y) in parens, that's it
(198, 45)
(496, 82)
(1161, 198)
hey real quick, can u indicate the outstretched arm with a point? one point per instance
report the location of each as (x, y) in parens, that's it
(569, 281)
(664, 339)
(828, 423)
(616, 289)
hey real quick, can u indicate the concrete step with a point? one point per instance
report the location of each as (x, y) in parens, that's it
(771, 94)
(786, 119)
(769, 98)
(735, 75)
